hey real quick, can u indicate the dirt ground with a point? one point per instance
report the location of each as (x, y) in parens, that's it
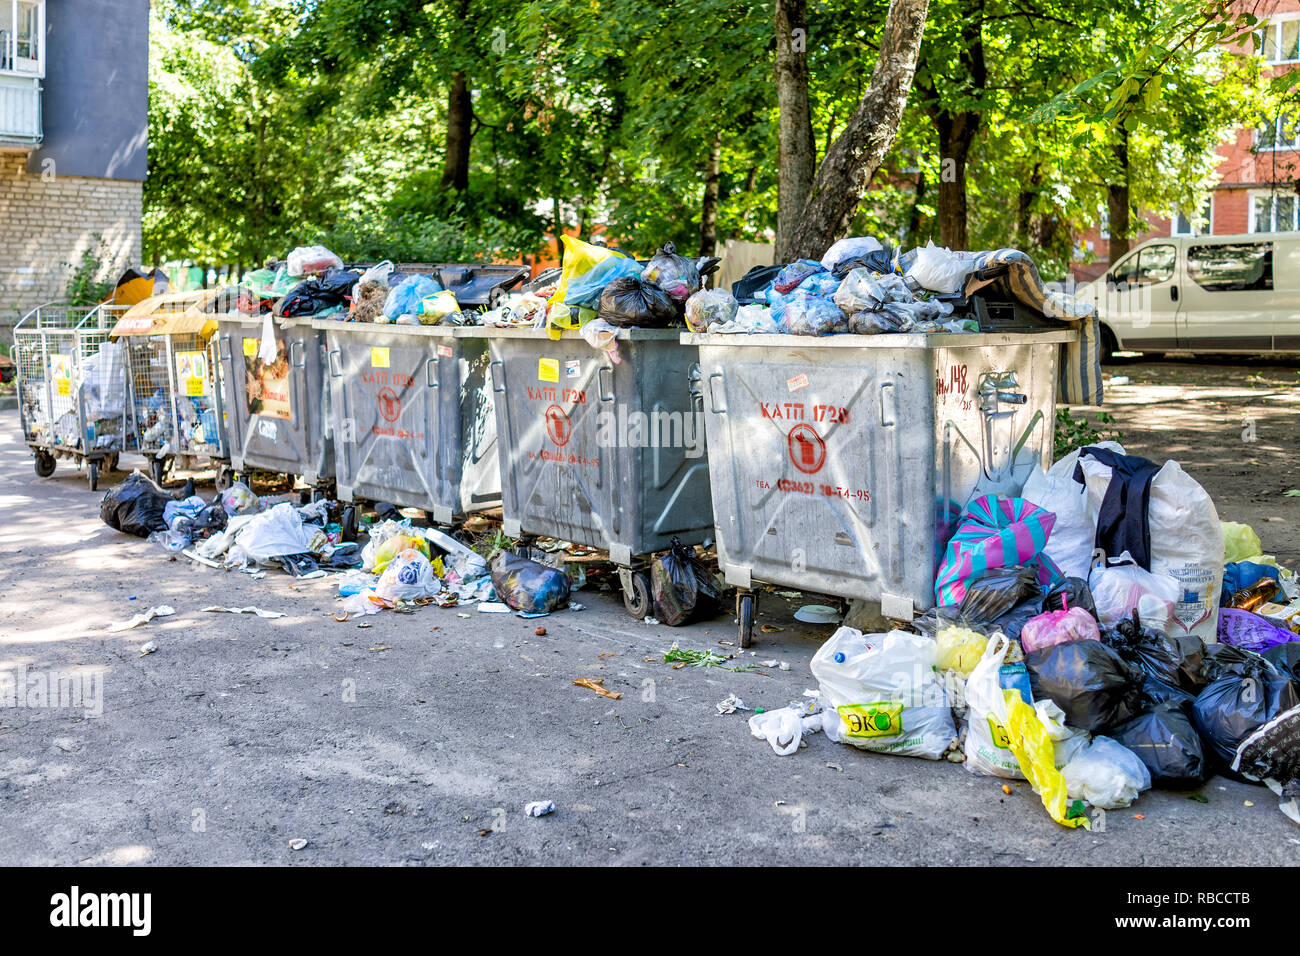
(1232, 423)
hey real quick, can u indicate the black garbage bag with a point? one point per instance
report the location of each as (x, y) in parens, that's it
(1171, 659)
(1237, 704)
(529, 586)
(1286, 658)
(1158, 692)
(1089, 681)
(1273, 753)
(1070, 592)
(1226, 660)
(994, 592)
(135, 506)
(631, 301)
(1165, 739)
(314, 294)
(683, 587)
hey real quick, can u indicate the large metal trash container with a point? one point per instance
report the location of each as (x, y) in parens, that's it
(841, 463)
(278, 412)
(413, 417)
(606, 455)
(71, 404)
(176, 404)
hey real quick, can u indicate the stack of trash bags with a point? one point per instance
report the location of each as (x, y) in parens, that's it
(1091, 678)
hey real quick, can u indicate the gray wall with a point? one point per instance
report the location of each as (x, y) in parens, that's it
(96, 100)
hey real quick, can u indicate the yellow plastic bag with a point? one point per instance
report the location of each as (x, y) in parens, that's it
(395, 546)
(1240, 542)
(579, 259)
(434, 308)
(1032, 745)
(960, 649)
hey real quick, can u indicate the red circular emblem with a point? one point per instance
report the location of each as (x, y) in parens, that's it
(807, 450)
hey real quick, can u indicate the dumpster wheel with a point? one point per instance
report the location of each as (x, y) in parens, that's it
(225, 477)
(92, 475)
(636, 594)
(44, 464)
(156, 468)
(746, 605)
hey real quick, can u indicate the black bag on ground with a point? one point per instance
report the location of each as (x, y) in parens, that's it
(996, 591)
(529, 586)
(1165, 739)
(1228, 660)
(1074, 591)
(1089, 681)
(1233, 707)
(135, 506)
(1158, 692)
(1171, 659)
(630, 301)
(682, 587)
(1286, 658)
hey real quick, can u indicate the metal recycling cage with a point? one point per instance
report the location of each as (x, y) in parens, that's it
(840, 464)
(177, 409)
(413, 417)
(67, 393)
(603, 454)
(278, 411)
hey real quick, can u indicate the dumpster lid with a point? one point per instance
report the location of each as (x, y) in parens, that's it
(173, 313)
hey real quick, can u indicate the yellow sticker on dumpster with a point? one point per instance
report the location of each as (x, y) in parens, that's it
(548, 370)
(250, 347)
(378, 357)
(61, 372)
(191, 372)
(882, 718)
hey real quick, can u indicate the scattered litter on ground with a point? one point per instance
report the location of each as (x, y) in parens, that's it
(144, 617)
(598, 685)
(730, 705)
(150, 647)
(539, 808)
(270, 615)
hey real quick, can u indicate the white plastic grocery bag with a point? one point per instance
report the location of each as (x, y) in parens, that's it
(988, 749)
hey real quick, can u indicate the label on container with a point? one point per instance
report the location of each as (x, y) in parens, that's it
(573, 368)
(191, 373)
(796, 383)
(444, 351)
(61, 372)
(250, 348)
(548, 370)
(878, 719)
(378, 357)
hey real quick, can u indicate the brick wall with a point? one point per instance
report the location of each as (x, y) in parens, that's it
(49, 221)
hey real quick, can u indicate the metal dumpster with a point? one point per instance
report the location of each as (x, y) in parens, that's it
(175, 402)
(413, 417)
(71, 401)
(841, 463)
(278, 411)
(604, 455)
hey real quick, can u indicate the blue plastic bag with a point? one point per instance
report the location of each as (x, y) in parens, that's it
(813, 315)
(406, 296)
(585, 290)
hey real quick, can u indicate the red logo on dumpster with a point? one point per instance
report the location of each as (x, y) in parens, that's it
(807, 450)
(390, 406)
(557, 425)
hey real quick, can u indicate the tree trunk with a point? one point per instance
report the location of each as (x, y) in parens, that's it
(1117, 200)
(460, 117)
(957, 130)
(914, 215)
(709, 210)
(797, 160)
(858, 152)
(1025, 207)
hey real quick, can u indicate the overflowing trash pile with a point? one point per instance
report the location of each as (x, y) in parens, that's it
(1092, 677)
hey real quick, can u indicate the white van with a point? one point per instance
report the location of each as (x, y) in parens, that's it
(1202, 294)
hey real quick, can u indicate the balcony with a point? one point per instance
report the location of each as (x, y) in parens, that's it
(20, 110)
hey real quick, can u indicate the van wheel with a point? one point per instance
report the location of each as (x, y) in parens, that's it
(1108, 346)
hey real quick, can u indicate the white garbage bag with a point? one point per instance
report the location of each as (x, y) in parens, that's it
(1187, 544)
(988, 748)
(883, 693)
(1120, 586)
(271, 534)
(939, 269)
(1106, 774)
(408, 577)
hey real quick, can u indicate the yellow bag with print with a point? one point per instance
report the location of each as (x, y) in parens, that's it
(579, 259)
(434, 308)
(1032, 745)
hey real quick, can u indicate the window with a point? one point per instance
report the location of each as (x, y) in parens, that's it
(1278, 132)
(22, 37)
(1232, 267)
(1197, 225)
(1280, 41)
(1147, 266)
(1274, 212)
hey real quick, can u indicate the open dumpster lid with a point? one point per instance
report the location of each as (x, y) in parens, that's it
(173, 313)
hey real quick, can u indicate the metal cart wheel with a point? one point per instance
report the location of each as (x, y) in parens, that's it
(156, 468)
(636, 595)
(44, 464)
(225, 477)
(746, 607)
(92, 475)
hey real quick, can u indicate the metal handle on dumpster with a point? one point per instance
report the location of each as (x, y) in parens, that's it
(492, 371)
(223, 340)
(889, 399)
(600, 386)
(713, 399)
(301, 353)
(335, 371)
(431, 371)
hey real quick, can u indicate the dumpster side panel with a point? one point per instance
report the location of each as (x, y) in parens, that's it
(605, 456)
(480, 479)
(822, 467)
(277, 410)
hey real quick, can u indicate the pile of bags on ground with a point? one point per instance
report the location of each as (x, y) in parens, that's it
(1090, 676)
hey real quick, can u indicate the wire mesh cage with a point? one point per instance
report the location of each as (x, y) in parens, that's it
(71, 386)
